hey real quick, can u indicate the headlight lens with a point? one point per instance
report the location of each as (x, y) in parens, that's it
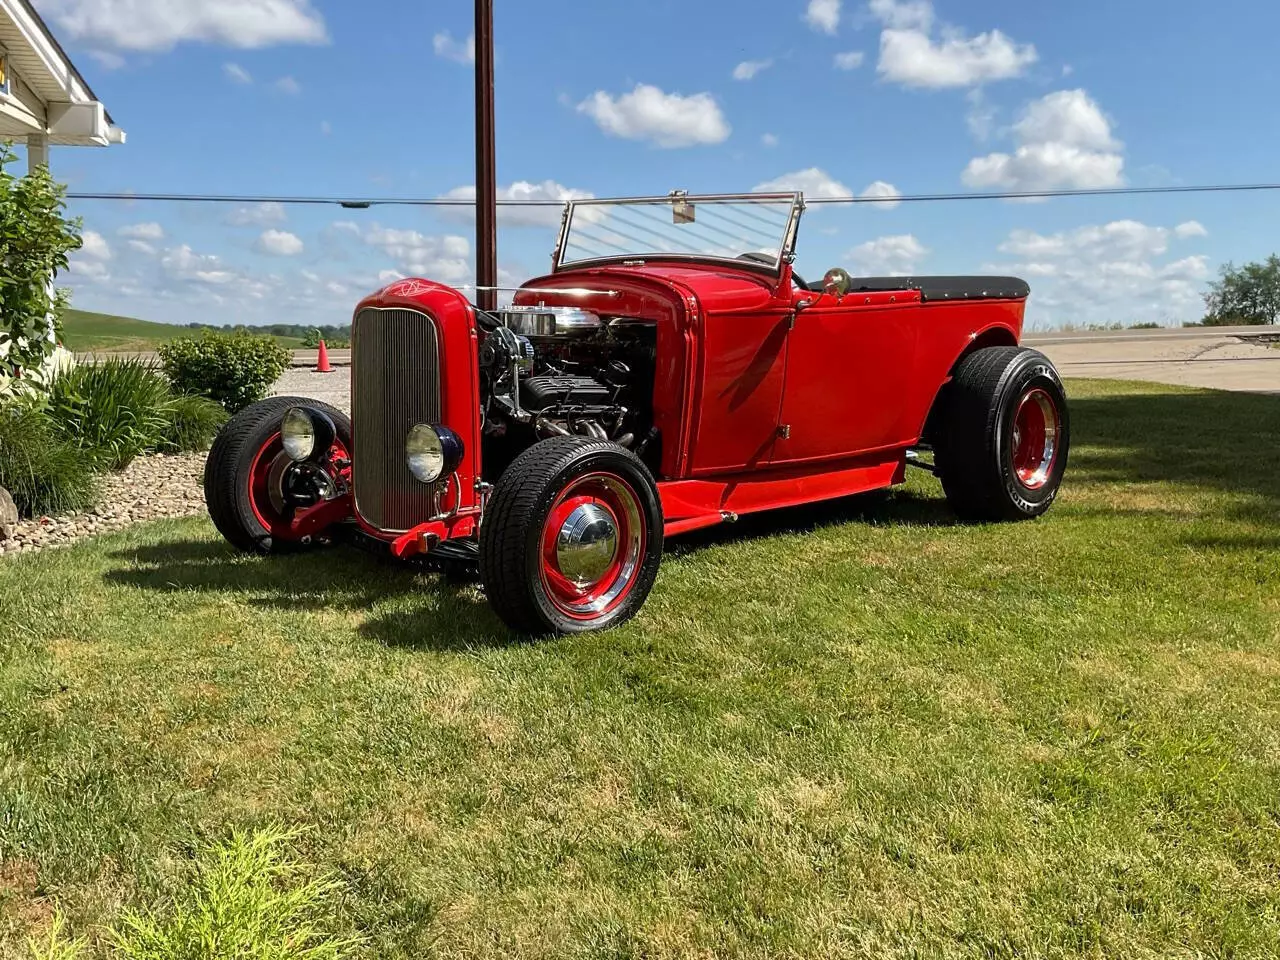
(432, 452)
(425, 454)
(298, 432)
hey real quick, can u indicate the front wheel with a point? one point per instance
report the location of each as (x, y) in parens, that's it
(251, 485)
(572, 539)
(1003, 435)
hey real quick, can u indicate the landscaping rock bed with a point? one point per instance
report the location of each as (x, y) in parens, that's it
(151, 488)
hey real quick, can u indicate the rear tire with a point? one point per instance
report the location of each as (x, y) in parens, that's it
(1002, 435)
(572, 540)
(235, 488)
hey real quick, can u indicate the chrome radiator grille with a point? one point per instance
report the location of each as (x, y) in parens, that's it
(395, 383)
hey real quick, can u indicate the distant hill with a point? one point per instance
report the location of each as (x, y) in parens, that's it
(85, 332)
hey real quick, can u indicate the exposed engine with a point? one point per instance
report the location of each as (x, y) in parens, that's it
(560, 371)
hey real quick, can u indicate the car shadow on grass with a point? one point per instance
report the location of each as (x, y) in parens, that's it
(1212, 440)
(883, 508)
(430, 612)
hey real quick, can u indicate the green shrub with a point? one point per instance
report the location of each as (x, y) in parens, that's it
(44, 471)
(194, 422)
(35, 239)
(247, 901)
(235, 370)
(117, 409)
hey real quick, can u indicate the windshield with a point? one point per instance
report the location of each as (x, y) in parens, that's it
(760, 228)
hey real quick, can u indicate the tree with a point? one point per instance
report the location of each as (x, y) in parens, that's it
(35, 239)
(1245, 295)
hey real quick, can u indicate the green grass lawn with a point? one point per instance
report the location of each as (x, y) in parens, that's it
(85, 332)
(854, 730)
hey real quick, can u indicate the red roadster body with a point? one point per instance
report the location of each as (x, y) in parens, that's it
(632, 395)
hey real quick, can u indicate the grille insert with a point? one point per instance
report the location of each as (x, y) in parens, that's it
(395, 383)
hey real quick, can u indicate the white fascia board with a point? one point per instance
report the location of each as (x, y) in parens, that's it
(58, 68)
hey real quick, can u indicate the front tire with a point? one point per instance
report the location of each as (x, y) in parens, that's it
(572, 539)
(244, 471)
(1003, 435)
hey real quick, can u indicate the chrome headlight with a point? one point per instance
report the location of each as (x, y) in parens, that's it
(432, 452)
(306, 433)
(298, 433)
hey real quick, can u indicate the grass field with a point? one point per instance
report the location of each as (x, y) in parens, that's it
(856, 730)
(85, 332)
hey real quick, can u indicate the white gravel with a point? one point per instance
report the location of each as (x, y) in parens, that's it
(159, 487)
(150, 488)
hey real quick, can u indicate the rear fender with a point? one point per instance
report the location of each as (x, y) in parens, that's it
(994, 336)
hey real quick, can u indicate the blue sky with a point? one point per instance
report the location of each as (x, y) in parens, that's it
(317, 97)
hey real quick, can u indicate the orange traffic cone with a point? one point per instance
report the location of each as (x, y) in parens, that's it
(324, 366)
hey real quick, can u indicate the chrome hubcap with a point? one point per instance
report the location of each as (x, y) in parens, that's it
(587, 544)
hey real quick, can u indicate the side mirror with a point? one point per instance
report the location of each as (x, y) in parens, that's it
(837, 282)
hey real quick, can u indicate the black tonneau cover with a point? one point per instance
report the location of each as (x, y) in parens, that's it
(944, 288)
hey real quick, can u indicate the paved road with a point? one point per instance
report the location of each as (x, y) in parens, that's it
(1239, 358)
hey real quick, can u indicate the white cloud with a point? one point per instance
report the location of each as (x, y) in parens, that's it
(888, 191)
(288, 86)
(1063, 140)
(259, 215)
(1118, 240)
(521, 190)
(459, 51)
(851, 60)
(1108, 273)
(912, 59)
(1068, 117)
(814, 183)
(237, 73)
(183, 263)
(94, 246)
(279, 243)
(446, 259)
(162, 24)
(89, 263)
(823, 15)
(748, 69)
(142, 247)
(107, 59)
(903, 14)
(981, 118)
(911, 56)
(668, 119)
(1192, 228)
(890, 256)
(142, 231)
(769, 140)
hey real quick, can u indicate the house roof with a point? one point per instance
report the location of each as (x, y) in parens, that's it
(48, 94)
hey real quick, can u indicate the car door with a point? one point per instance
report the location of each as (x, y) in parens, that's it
(743, 363)
(847, 376)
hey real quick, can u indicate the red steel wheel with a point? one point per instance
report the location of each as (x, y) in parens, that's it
(592, 546)
(572, 537)
(266, 487)
(1036, 427)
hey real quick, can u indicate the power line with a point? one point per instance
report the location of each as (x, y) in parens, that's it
(366, 203)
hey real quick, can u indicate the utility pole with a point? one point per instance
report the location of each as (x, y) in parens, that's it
(486, 162)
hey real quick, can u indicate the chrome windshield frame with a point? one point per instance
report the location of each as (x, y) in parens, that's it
(786, 250)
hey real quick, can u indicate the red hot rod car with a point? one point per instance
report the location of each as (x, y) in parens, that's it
(673, 372)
